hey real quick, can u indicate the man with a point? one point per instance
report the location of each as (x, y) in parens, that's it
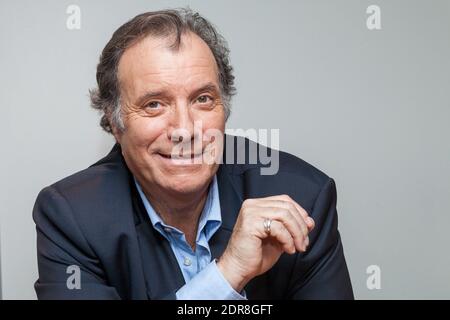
(161, 217)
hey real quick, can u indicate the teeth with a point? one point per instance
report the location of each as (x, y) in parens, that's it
(182, 157)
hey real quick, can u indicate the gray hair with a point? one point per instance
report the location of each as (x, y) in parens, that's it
(164, 23)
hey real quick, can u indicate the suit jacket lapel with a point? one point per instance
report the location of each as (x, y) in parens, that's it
(162, 273)
(230, 204)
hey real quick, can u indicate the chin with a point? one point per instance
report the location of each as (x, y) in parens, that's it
(186, 183)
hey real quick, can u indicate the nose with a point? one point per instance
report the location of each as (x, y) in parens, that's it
(181, 128)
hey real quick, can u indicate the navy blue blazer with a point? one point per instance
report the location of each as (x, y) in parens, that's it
(96, 220)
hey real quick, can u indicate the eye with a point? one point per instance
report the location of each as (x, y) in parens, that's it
(204, 99)
(153, 105)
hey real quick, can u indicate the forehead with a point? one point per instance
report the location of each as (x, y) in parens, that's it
(152, 63)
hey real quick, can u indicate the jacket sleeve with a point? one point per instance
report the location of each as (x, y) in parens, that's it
(68, 267)
(321, 272)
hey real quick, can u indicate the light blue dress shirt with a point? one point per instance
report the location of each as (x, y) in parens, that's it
(202, 276)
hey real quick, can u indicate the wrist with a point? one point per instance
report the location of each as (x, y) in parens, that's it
(231, 273)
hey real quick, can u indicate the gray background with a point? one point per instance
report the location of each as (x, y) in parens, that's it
(370, 108)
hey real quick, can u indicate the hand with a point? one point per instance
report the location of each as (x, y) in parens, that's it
(251, 250)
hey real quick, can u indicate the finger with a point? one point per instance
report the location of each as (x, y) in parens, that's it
(286, 218)
(282, 235)
(292, 209)
(309, 221)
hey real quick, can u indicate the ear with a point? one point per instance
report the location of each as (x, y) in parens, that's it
(116, 133)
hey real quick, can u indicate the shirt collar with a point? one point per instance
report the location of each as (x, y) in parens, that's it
(210, 218)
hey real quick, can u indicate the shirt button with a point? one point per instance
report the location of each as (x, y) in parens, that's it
(187, 262)
(166, 229)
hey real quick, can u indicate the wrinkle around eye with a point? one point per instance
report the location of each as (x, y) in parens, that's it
(133, 111)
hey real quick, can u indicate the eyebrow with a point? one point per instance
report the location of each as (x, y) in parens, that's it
(208, 87)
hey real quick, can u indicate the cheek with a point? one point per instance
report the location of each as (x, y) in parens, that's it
(141, 132)
(215, 120)
(213, 130)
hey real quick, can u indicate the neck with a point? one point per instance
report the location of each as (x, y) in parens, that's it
(181, 211)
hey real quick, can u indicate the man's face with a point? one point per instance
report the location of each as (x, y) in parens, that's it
(164, 92)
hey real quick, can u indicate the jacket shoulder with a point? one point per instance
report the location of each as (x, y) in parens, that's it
(281, 163)
(102, 172)
(277, 172)
(102, 188)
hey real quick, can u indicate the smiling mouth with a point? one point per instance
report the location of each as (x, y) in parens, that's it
(185, 157)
